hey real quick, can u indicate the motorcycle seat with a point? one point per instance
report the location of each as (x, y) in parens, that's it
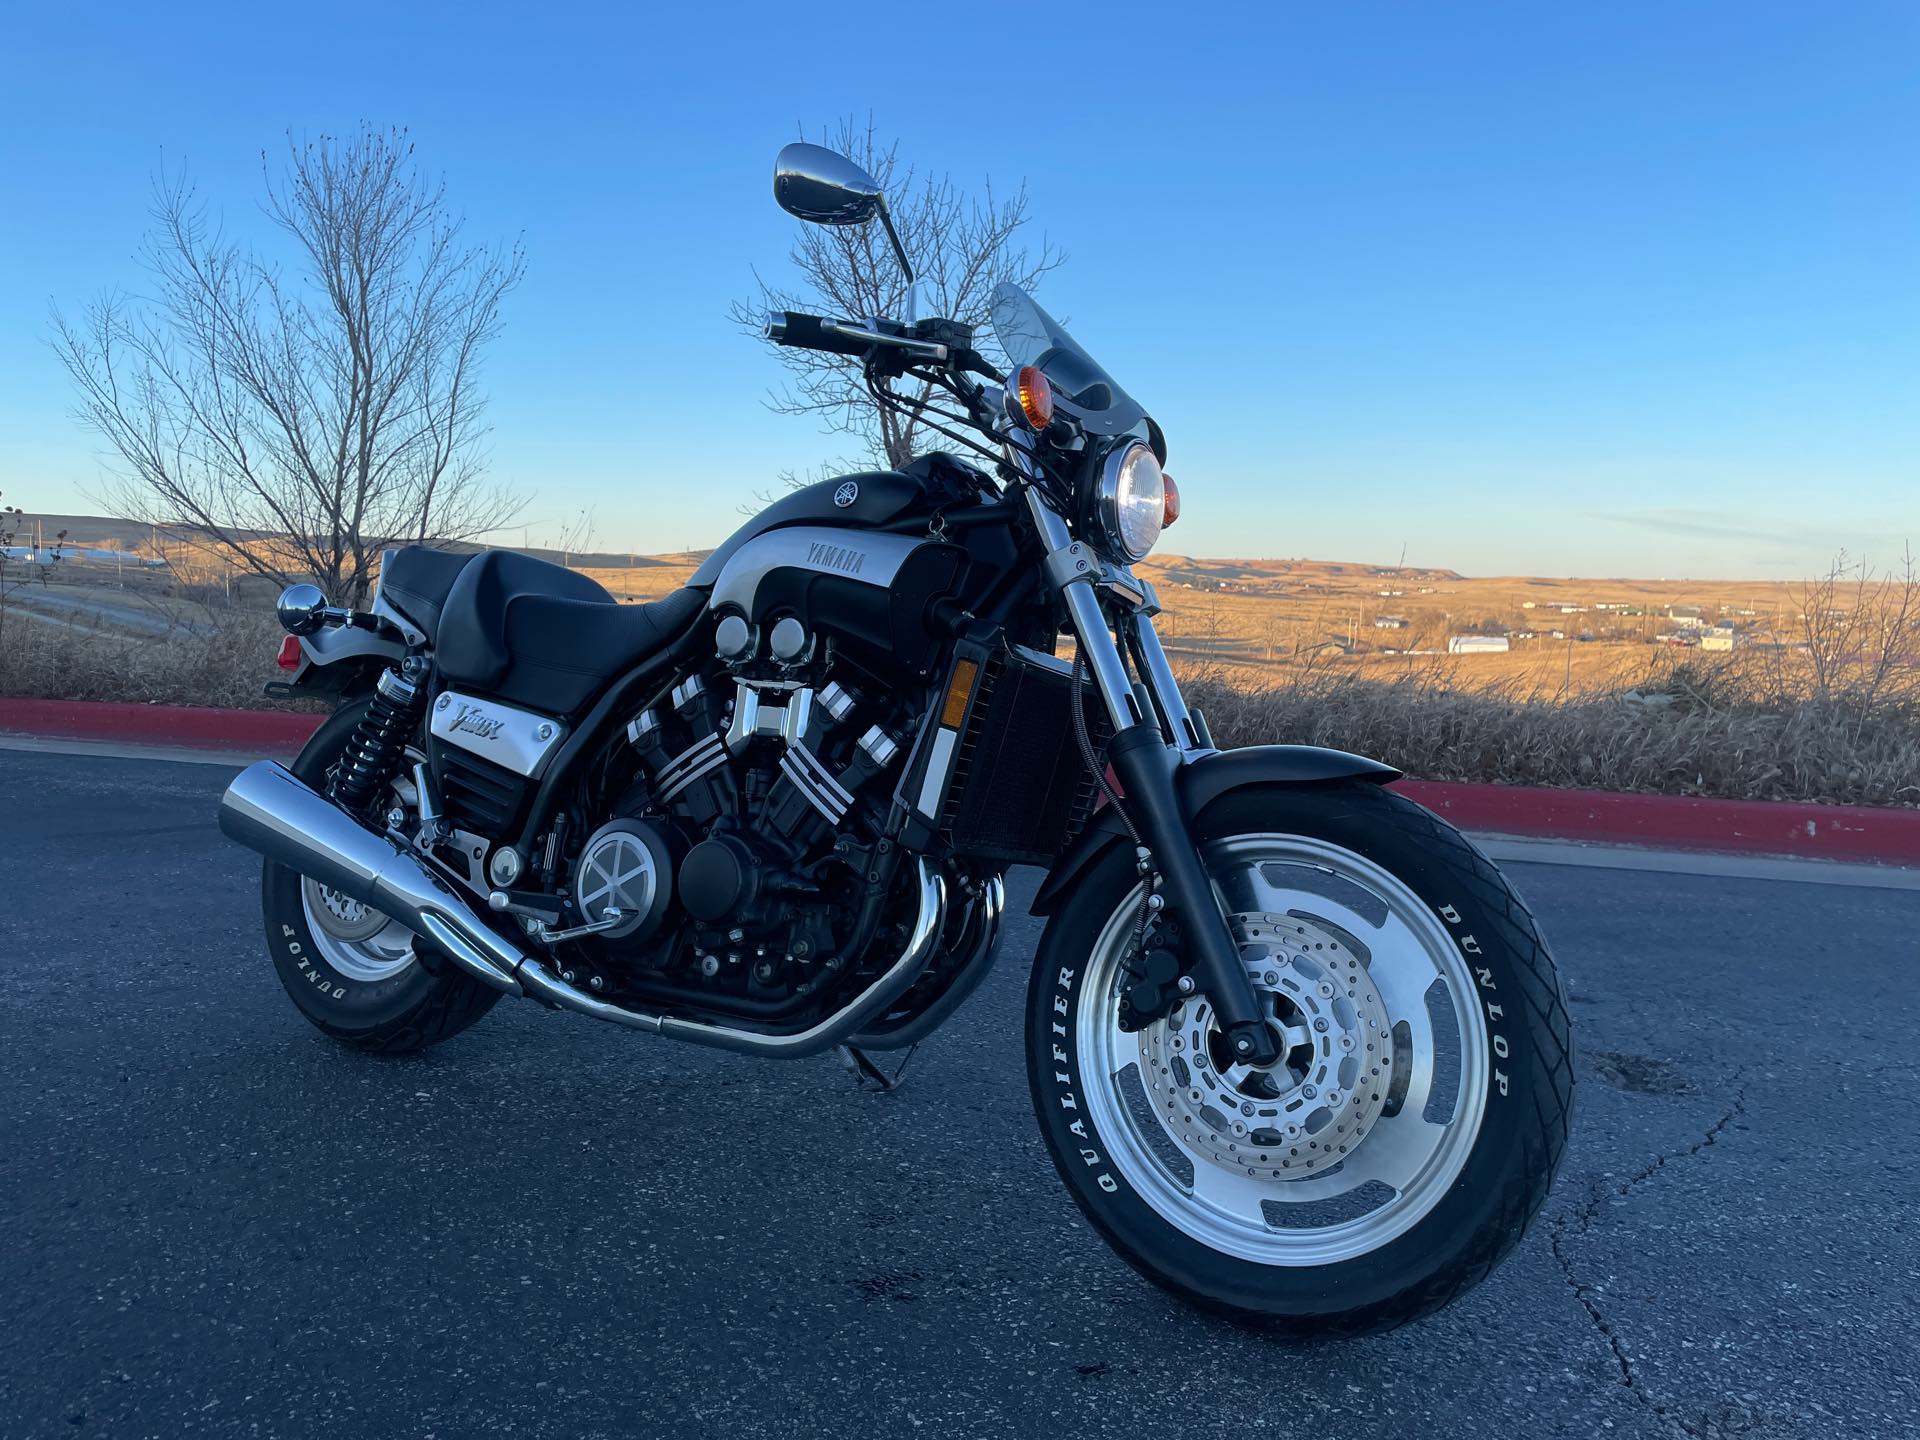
(415, 580)
(546, 637)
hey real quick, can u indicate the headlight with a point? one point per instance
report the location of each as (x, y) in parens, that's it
(1132, 502)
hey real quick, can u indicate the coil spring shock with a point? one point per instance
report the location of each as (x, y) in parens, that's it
(379, 742)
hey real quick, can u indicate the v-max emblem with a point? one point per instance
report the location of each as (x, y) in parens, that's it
(474, 722)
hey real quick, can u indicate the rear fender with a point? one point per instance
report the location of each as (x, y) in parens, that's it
(1199, 783)
(343, 658)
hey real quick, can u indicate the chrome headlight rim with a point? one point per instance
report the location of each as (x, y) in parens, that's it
(1108, 500)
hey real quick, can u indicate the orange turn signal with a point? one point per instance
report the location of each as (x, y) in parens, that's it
(1035, 395)
(1171, 512)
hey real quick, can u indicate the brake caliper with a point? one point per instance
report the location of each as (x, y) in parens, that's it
(1154, 981)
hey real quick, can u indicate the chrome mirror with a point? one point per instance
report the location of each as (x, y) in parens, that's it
(824, 186)
(301, 609)
(817, 184)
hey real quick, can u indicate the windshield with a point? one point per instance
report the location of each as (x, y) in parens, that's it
(1081, 388)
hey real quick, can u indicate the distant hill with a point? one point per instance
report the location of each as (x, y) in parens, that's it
(1282, 577)
(1276, 577)
(103, 531)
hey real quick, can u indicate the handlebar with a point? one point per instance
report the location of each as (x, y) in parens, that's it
(844, 337)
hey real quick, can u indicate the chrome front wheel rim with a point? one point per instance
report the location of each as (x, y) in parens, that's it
(1348, 956)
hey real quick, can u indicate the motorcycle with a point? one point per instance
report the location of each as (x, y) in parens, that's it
(1297, 1049)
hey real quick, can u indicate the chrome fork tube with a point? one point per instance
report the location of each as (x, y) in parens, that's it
(1071, 568)
(1147, 767)
(1172, 704)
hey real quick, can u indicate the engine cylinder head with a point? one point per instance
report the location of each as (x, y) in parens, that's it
(835, 699)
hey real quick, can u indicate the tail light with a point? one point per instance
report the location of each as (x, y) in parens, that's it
(289, 656)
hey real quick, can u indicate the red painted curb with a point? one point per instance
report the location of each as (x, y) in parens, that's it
(1873, 834)
(256, 731)
(1885, 836)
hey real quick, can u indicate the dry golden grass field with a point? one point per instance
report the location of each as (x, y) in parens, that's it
(1768, 690)
(1253, 621)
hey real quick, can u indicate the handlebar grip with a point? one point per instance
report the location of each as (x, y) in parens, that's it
(809, 332)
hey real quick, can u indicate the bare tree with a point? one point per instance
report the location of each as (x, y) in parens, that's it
(300, 416)
(962, 246)
(576, 535)
(1861, 631)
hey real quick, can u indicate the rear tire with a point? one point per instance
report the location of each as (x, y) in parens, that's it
(384, 1006)
(1147, 1130)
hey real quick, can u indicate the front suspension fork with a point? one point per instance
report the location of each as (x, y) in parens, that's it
(1146, 761)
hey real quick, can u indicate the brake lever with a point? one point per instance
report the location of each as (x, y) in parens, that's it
(906, 345)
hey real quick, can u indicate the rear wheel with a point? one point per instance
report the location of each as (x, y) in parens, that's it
(1409, 1131)
(352, 971)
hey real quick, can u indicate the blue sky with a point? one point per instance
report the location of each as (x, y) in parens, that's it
(1607, 290)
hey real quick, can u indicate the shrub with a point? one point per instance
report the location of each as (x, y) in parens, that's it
(1703, 736)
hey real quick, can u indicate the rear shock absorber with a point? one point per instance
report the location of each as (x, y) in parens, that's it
(379, 741)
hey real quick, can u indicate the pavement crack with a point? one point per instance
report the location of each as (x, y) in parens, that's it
(1574, 1224)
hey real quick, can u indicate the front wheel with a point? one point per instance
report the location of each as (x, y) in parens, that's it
(1410, 1130)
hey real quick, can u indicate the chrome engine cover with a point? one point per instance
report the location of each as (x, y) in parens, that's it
(626, 865)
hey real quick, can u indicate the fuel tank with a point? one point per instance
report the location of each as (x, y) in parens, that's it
(845, 558)
(867, 589)
(877, 497)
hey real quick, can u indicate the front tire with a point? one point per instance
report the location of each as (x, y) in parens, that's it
(1397, 1152)
(354, 975)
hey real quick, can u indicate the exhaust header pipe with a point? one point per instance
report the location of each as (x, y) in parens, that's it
(269, 809)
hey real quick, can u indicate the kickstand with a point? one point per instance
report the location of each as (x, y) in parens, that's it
(867, 1074)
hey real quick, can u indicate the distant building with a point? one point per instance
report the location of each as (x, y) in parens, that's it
(1529, 604)
(1478, 645)
(1687, 615)
(1390, 622)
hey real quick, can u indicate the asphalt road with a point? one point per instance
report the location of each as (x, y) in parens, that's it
(219, 1223)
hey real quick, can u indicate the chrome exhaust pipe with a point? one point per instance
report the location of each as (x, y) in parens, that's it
(542, 984)
(269, 809)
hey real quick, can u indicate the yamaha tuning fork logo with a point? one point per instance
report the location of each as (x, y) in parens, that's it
(846, 494)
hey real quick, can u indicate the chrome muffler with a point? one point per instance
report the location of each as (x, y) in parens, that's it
(269, 809)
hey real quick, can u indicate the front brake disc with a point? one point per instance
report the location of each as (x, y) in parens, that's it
(1303, 1114)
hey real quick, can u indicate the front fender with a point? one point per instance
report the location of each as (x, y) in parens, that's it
(1201, 781)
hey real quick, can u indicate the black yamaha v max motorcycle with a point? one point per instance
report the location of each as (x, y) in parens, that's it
(1298, 1051)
